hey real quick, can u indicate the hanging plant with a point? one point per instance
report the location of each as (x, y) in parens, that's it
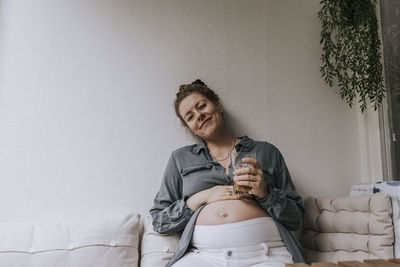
(351, 53)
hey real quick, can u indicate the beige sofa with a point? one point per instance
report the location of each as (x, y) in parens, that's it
(348, 228)
(124, 241)
(334, 229)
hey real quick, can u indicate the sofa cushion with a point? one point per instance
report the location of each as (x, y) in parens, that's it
(108, 243)
(393, 189)
(348, 228)
(156, 249)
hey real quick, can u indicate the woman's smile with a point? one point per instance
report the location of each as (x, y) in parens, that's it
(205, 123)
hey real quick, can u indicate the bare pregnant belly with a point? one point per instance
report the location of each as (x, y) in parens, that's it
(230, 211)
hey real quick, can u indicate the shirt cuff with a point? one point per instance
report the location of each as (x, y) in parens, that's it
(274, 195)
(186, 211)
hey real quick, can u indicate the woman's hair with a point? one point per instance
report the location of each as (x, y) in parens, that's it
(195, 87)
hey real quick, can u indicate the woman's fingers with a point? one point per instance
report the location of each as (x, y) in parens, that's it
(252, 184)
(231, 197)
(247, 177)
(236, 196)
(227, 188)
(248, 170)
(251, 176)
(256, 182)
(229, 193)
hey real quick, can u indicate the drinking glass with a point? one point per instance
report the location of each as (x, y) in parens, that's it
(237, 163)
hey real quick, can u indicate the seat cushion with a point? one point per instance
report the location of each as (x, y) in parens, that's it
(348, 228)
(156, 249)
(100, 243)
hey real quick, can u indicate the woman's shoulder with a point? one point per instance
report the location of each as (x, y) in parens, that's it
(268, 154)
(265, 145)
(268, 150)
(185, 149)
(185, 152)
(186, 155)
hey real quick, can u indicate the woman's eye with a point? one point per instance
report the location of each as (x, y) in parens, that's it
(190, 118)
(202, 106)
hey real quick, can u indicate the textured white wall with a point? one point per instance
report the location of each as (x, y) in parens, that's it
(86, 92)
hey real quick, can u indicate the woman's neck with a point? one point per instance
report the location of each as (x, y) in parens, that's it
(221, 143)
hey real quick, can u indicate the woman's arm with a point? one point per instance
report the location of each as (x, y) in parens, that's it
(273, 191)
(170, 213)
(283, 202)
(171, 210)
(213, 194)
(173, 217)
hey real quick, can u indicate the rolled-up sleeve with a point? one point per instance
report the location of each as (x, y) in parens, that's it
(170, 213)
(283, 203)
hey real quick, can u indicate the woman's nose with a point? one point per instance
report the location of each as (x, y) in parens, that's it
(201, 116)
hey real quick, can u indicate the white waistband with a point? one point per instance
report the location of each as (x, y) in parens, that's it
(243, 233)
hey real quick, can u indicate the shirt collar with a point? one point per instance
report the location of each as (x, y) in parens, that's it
(244, 144)
(200, 146)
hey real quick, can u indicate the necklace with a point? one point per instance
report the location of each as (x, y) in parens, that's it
(229, 152)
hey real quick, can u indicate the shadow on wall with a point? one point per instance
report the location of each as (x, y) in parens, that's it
(234, 125)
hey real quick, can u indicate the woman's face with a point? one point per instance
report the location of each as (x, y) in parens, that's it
(201, 115)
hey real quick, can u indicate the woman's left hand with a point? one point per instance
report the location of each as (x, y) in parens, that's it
(252, 177)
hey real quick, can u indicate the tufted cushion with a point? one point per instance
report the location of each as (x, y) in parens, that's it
(348, 228)
(156, 249)
(101, 243)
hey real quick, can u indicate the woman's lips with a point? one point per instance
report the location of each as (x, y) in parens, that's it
(206, 121)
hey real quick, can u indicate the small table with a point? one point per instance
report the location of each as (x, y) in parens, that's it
(365, 263)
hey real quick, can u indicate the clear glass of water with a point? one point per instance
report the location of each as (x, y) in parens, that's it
(237, 163)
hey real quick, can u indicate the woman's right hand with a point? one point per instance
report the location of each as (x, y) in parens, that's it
(219, 193)
(213, 194)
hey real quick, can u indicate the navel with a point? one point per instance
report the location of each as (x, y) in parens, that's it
(223, 214)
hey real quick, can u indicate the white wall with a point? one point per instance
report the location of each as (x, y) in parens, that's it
(86, 93)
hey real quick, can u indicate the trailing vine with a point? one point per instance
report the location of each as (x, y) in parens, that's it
(351, 55)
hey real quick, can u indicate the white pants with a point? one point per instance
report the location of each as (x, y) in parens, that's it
(254, 242)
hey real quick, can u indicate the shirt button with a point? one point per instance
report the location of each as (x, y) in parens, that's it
(113, 243)
(32, 250)
(229, 253)
(71, 246)
(165, 249)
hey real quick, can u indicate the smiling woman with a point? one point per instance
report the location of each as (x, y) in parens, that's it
(201, 115)
(196, 194)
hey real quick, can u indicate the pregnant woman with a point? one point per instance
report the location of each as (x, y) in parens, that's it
(219, 227)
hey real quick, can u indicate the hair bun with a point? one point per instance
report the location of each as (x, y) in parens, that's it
(184, 87)
(199, 82)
